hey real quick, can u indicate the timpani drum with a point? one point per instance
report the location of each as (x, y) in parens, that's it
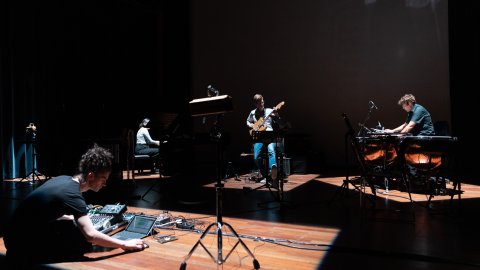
(427, 153)
(378, 154)
(379, 150)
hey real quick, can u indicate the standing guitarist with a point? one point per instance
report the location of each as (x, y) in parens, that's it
(260, 119)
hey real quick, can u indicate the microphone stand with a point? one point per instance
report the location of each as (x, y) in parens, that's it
(31, 135)
(362, 125)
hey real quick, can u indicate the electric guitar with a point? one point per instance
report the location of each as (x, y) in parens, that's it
(259, 125)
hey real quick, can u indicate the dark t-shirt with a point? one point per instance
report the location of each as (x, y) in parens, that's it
(423, 120)
(34, 220)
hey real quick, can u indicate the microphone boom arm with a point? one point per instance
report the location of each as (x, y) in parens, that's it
(362, 125)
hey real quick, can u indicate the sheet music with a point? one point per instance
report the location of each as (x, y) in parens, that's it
(211, 105)
(198, 100)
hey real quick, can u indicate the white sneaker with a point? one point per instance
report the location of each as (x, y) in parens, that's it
(263, 181)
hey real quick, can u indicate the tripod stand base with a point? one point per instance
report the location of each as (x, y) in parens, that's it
(32, 178)
(344, 189)
(219, 260)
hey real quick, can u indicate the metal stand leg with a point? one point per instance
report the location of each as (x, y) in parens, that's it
(219, 259)
(34, 175)
(278, 186)
(219, 224)
(365, 178)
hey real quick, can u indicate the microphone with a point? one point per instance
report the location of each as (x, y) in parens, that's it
(372, 105)
(380, 127)
(212, 91)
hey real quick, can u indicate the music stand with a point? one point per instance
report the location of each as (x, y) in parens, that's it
(267, 137)
(217, 105)
(364, 176)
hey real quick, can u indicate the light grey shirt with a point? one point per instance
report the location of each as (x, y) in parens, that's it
(143, 137)
(254, 116)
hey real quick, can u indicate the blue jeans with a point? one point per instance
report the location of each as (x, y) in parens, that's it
(257, 157)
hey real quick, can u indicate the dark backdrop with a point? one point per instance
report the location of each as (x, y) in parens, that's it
(84, 71)
(322, 58)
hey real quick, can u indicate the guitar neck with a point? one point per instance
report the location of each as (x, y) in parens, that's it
(268, 115)
(261, 121)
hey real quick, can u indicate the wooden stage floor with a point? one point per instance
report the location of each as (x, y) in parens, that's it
(270, 246)
(316, 226)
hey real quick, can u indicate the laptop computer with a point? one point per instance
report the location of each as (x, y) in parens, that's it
(139, 227)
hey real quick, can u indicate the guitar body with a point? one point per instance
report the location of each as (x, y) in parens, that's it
(259, 125)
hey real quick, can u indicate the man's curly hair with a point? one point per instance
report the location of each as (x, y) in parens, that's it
(96, 159)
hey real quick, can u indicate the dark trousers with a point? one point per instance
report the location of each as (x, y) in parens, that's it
(60, 241)
(145, 149)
